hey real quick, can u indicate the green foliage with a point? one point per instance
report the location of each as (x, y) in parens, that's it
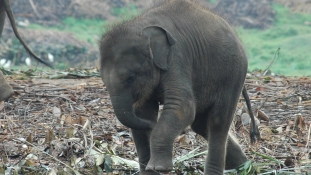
(247, 168)
(288, 33)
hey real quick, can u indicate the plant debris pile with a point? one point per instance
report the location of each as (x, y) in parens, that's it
(68, 126)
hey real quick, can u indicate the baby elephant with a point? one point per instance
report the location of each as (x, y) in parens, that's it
(187, 58)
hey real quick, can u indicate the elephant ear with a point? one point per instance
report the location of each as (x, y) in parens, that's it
(159, 43)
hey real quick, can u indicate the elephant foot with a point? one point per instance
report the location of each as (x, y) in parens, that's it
(150, 172)
(6, 90)
(160, 165)
(6, 93)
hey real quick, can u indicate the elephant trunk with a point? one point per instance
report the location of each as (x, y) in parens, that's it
(125, 113)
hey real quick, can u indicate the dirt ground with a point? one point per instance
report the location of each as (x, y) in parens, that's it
(68, 125)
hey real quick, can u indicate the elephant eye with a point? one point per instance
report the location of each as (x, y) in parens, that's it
(130, 79)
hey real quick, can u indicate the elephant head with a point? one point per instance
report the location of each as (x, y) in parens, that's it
(131, 70)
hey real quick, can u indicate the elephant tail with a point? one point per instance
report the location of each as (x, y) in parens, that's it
(12, 20)
(254, 133)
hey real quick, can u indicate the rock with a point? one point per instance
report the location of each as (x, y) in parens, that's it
(246, 120)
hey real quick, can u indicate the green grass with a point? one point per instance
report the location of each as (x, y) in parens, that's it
(290, 34)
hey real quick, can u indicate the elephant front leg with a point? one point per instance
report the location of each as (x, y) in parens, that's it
(174, 119)
(141, 139)
(148, 111)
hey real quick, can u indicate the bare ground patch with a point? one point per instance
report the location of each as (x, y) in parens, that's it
(67, 125)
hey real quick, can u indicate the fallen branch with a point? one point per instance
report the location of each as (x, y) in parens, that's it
(276, 55)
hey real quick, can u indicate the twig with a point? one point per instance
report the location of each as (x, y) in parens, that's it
(276, 55)
(55, 89)
(263, 86)
(308, 138)
(262, 103)
(34, 8)
(58, 96)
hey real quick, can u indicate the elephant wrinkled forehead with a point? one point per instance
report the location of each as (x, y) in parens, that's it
(125, 50)
(120, 37)
(123, 55)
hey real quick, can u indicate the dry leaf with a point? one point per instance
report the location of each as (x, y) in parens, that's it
(49, 136)
(29, 163)
(73, 98)
(240, 104)
(29, 138)
(299, 144)
(260, 89)
(183, 140)
(262, 116)
(300, 122)
(68, 120)
(80, 120)
(62, 119)
(83, 120)
(69, 132)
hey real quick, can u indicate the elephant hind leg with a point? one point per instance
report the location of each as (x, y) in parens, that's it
(235, 156)
(220, 143)
(215, 161)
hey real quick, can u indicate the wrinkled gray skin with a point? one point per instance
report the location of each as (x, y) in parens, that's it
(5, 89)
(188, 59)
